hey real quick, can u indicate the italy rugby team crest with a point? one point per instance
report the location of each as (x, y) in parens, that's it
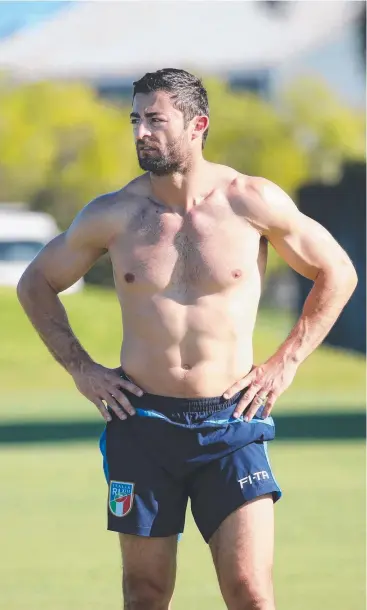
(121, 497)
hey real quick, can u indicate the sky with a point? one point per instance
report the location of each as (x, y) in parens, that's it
(16, 15)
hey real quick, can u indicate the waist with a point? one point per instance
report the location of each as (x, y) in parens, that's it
(172, 404)
(176, 374)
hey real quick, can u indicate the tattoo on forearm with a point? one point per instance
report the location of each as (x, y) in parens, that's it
(49, 318)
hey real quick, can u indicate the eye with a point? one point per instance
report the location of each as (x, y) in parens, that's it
(134, 121)
(157, 120)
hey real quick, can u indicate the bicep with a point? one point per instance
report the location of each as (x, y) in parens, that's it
(64, 260)
(302, 242)
(305, 245)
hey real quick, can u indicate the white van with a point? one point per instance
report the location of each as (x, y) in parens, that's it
(22, 235)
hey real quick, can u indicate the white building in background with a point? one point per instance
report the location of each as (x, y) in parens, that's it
(256, 47)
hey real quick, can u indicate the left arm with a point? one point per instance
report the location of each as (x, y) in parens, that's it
(311, 251)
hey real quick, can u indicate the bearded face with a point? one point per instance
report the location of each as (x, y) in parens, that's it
(161, 137)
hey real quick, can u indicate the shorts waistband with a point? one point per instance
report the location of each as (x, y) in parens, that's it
(172, 404)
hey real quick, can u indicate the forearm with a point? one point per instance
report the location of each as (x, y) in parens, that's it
(48, 316)
(325, 302)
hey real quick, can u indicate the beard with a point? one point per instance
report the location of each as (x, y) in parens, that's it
(163, 163)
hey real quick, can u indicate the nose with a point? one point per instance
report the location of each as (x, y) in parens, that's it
(142, 130)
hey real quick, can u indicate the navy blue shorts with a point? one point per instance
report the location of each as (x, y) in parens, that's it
(174, 449)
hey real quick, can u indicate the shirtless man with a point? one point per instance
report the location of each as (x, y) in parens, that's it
(188, 413)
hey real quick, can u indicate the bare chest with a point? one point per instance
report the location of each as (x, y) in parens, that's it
(207, 250)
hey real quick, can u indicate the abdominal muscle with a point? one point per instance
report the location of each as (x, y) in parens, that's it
(188, 350)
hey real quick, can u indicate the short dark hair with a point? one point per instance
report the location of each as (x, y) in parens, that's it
(188, 92)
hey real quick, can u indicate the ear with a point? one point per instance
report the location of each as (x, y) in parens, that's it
(200, 125)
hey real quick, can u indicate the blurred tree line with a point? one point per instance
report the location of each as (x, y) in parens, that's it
(61, 145)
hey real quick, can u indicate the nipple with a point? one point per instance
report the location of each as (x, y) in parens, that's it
(129, 278)
(236, 273)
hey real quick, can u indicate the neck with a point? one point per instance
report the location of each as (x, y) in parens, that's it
(181, 192)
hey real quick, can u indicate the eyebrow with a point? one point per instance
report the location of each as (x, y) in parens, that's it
(136, 115)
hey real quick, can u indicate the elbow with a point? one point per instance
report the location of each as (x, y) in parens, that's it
(340, 276)
(346, 276)
(30, 285)
(353, 279)
(24, 286)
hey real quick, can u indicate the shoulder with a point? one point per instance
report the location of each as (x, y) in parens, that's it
(101, 205)
(97, 213)
(222, 175)
(251, 189)
(105, 207)
(138, 187)
(99, 220)
(262, 202)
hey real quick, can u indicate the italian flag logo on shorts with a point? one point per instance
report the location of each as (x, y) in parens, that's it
(121, 497)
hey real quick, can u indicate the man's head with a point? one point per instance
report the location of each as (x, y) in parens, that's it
(170, 115)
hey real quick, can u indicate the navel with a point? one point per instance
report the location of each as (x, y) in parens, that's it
(129, 278)
(236, 273)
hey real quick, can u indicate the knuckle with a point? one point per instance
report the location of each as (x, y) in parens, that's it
(131, 389)
(134, 390)
(126, 384)
(114, 380)
(112, 384)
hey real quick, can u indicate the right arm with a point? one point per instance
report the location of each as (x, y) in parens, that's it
(59, 265)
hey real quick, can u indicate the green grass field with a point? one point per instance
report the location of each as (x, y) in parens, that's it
(56, 553)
